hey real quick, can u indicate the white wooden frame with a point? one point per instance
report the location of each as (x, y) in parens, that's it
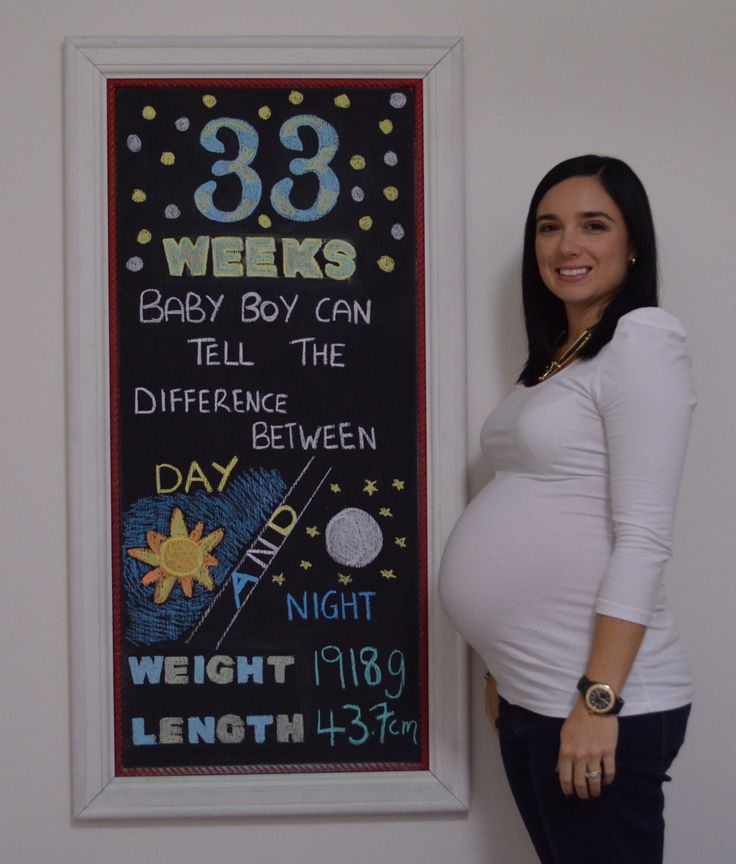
(89, 62)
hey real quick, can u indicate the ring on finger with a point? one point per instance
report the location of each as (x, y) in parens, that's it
(593, 775)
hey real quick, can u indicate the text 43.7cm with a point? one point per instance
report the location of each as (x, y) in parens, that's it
(379, 721)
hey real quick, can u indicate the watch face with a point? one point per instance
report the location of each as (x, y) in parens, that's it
(599, 698)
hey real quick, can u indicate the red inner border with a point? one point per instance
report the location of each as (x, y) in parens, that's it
(416, 85)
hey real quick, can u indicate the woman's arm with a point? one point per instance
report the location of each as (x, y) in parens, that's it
(588, 742)
(646, 397)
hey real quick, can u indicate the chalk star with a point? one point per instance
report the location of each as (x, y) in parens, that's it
(335, 487)
(344, 579)
(388, 574)
(278, 578)
(312, 531)
(305, 565)
(398, 484)
(385, 511)
(400, 541)
(370, 487)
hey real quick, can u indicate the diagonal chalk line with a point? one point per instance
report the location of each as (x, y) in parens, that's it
(266, 568)
(226, 583)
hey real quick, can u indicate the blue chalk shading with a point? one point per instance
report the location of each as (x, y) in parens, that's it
(241, 510)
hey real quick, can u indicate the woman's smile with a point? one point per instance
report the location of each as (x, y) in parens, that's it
(573, 274)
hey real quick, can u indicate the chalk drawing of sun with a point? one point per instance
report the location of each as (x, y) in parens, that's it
(184, 557)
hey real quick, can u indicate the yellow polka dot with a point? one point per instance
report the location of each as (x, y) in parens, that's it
(149, 112)
(264, 221)
(386, 263)
(357, 162)
(144, 236)
(391, 192)
(168, 158)
(264, 112)
(209, 101)
(139, 196)
(386, 126)
(296, 98)
(365, 222)
(342, 101)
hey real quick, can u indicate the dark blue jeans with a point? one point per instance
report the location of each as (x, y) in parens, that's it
(626, 824)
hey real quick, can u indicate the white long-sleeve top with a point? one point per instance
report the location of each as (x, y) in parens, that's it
(578, 520)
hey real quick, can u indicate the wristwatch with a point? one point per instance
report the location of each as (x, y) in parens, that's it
(599, 698)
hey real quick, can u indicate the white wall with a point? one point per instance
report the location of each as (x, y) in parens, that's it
(653, 82)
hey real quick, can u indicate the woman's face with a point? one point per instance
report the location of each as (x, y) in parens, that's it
(582, 245)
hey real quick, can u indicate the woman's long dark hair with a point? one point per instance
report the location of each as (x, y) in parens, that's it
(544, 314)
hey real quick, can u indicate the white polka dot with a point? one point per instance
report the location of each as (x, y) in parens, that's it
(397, 100)
(134, 264)
(134, 143)
(397, 231)
(172, 212)
(357, 194)
(390, 158)
(182, 124)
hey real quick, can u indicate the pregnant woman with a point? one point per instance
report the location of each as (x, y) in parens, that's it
(554, 571)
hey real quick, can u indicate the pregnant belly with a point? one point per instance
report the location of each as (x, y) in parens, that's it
(527, 555)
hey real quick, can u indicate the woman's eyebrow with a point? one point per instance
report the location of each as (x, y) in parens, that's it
(586, 214)
(596, 214)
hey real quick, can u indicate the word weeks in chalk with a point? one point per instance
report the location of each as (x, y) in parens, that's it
(256, 257)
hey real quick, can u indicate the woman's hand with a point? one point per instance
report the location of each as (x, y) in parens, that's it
(587, 744)
(491, 706)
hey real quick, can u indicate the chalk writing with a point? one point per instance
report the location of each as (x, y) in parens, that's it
(295, 436)
(330, 605)
(218, 669)
(256, 256)
(267, 391)
(228, 729)
(357, 667)
(361, 724)
(250, 183)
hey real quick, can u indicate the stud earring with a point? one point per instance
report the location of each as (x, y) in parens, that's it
(632, 261)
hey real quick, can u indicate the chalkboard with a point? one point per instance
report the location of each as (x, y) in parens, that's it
(267, 407)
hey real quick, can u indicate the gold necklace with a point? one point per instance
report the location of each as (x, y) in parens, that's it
(569, 355)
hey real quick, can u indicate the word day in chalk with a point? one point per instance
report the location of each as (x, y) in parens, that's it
(169, 478)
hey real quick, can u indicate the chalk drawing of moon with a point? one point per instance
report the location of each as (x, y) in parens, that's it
(353, 537)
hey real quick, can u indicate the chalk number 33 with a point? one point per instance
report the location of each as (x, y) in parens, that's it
(251, 186)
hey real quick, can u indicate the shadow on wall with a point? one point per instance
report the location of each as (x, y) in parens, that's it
(504, 349)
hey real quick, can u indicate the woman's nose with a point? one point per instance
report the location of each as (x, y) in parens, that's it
(569, 245)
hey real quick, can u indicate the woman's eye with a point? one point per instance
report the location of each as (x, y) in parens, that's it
(595, 226)
(546, 228)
